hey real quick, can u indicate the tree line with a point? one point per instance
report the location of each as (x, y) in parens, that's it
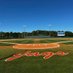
(11, 35)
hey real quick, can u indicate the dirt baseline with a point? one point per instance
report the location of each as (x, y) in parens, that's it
(36, 46)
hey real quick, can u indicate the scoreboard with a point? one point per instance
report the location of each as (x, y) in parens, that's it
(60, 33)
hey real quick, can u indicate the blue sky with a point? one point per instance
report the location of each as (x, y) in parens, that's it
(29, 15)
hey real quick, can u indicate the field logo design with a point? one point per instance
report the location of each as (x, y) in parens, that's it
(46, 55)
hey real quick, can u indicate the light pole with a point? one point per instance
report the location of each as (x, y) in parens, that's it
(24, 26)
(49, 29)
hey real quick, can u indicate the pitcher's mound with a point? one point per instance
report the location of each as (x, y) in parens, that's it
(36, 46)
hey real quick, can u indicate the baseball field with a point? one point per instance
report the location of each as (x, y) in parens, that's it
(56, 63)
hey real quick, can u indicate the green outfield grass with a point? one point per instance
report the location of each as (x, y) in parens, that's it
(47, 40)
(5, 44)
(56, 64)
(50, 41)
(67, 43)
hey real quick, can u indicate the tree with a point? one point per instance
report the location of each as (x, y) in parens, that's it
(68, 34)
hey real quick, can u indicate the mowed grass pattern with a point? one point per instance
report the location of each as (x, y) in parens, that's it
(56, 64)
